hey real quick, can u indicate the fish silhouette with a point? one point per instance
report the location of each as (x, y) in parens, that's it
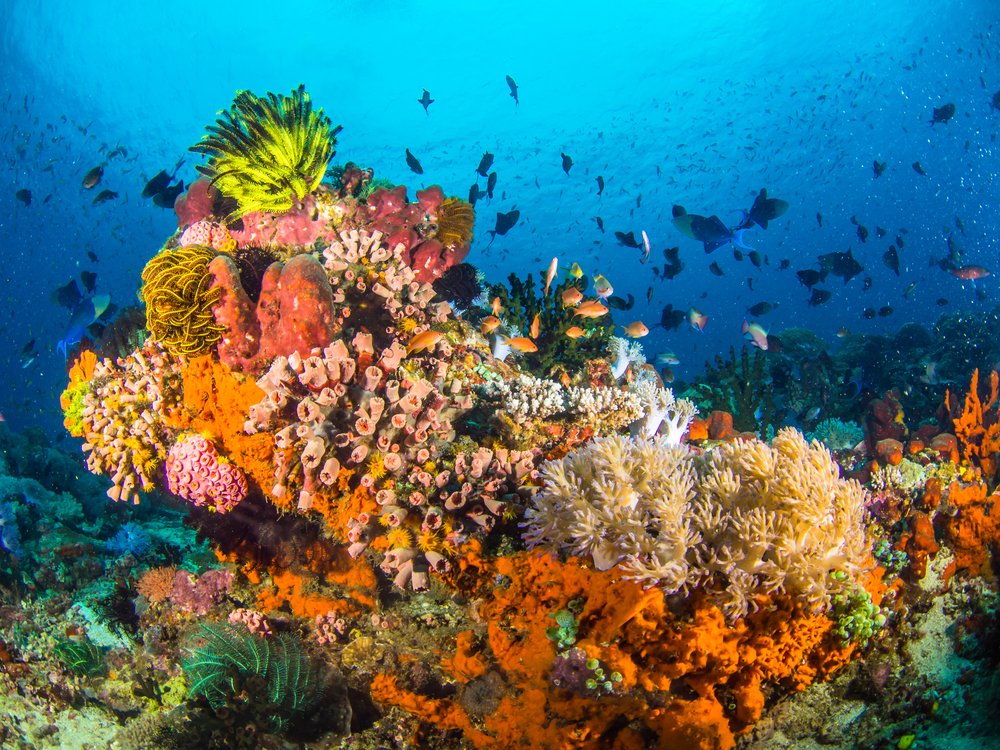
(513, 90)
(426, 101)
(412, 163)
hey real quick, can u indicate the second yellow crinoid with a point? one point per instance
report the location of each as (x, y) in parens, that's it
(177, 289)
(266, 153)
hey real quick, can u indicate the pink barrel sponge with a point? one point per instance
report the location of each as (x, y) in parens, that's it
(196, 473)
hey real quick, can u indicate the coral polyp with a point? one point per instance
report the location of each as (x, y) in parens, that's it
(267, 153)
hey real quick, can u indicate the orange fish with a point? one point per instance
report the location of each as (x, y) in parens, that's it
(535, 327)
(591, 309)
(497, 307)
(697, 319)
(423, 341)
(522, 344)
(636, 330)
(490, 323)
(575, 332)
(572, 297)
(553, 267)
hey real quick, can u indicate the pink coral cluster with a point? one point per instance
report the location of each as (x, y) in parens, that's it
(197, 595)
(253, 620)
(196, 473)
(124, 433)
(300, 226)
(329, 628)
(208, 234)
(351, 405)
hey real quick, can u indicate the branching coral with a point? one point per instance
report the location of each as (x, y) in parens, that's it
(977, 426)
(178, 292)
(746, 520)
(267, 153)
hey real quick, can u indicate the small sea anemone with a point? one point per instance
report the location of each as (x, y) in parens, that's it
(376, 465)
(400, 537)
(455, 218)
(266, 153)
(177, 289)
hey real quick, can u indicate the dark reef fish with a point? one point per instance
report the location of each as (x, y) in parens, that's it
(93, 177)
(475, 193)
(505, 222)
(412, 163)
(878, 167)
(156, 184)
(918, 168)
(618, 303)
(567, 162)
(843, 265)
(600, 223)
(491, 183)
(168, 196)
(943, 114)
(103, 197)
(819, 297)
(23, 195)
(627, 239)
(862, 233)
(513, 90)
(484, 164)
(762, 308)
(809, 277)
(708, 230)
(671, 319)
(891, 259)
(716, 269)
(995, 103)
(763, 210)
(425, 101)
(600, 185)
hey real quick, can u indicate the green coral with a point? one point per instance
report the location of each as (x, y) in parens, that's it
(557, 353)
(81, 657)
(235, 668)
(741, 387)
(73, 397)
(856, 616)
(266, 153)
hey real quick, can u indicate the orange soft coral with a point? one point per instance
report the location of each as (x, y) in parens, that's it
(977, 427)
(972, 527)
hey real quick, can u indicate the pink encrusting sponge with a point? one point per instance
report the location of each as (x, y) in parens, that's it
(196, 473)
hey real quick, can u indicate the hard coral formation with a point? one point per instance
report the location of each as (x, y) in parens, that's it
(267, 153)
(196, 473)
(178, 292)
(746, 520)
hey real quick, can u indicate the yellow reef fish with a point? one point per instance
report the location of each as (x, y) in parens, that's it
(535, 327)
(551, 274)
(591, 309)
(489, 325)
(572, 297)
(423, 341)
(522, 344)
(636, 329)
(575, 272)
(575, 332)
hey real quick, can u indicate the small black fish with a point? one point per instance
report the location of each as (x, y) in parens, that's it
(891, 259)
(28, 354)
(716, 269)
(491, 183)
(755, 258)
(737, 255)
(885, 311)
(628, 240)
(762, 308)
(600, 185)
(943, 114)
(996, 101)
(809, 277)
(92, 256)
(617, 303)
(412, 163)
(843, 265)
(878, 167)
(819, 218)
(167, 197)
(157, 184)
(513, 90)
(89, 281)
(899, 241)
(475, 194)
(880, 232)
(484, 164)
(425, 100)
(671, 319)
(506, 222)
(104, 196)
(919, 169)
(23, 195)
(785, 264)
(649, 292)
(869, 313)
(600, 223)
(819, 297)
(941, 302)
(908, 292)
(93, 177)
(959, 225)
(862, 233)
(567, 162)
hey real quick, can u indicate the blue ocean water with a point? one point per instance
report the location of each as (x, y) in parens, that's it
(670, 102)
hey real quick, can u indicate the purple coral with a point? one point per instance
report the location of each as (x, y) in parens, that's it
(198, 594)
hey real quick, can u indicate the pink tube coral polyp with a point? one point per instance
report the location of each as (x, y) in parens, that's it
(196, 473)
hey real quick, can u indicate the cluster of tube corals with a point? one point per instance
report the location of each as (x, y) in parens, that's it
(122, 419)
(196, 473)
(745, 520)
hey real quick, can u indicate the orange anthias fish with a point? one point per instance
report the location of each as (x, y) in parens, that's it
(636, 329)
(572, 297)
(553, 267)
(497, 307)
(591, 309)
(970, 273)
(522, 344)
(489, 325)
(575, 332)
(697, 319)
(756, 334)
(535, 327)
(423, 341)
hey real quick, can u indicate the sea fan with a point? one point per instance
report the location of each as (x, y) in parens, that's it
(266, 153)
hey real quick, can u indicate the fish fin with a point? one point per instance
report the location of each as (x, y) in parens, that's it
(738, 238)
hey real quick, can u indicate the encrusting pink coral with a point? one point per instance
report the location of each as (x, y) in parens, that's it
(196, 473)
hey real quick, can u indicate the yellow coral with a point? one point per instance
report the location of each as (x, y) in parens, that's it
(177, 289)
(376, 465)
(455, 218)
(399, 537)
(266, 153)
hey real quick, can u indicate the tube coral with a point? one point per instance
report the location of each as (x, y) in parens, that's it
(266, 153)
(179, 297)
